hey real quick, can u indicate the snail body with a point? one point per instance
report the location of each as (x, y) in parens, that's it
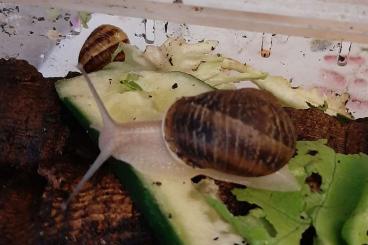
(241, 136)
(101, 44)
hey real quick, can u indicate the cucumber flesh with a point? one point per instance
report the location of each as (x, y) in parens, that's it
(175, 209)
(183, 207)
(159, 91)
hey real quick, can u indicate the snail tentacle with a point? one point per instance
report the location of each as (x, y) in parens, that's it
(105, 143)
(101, 158)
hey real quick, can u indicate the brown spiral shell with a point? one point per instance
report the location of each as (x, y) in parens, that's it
(243, 132)
(97, 50)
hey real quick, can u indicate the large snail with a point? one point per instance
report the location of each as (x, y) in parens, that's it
(229, 135)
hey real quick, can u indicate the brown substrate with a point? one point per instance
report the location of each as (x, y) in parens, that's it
(31, 125)
(43, 154)
(101, 213)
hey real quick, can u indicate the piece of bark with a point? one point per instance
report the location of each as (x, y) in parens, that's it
(20, 198)
(36, 130)
(348, 137)
(102, 213)
(31, 125)
(357, 136)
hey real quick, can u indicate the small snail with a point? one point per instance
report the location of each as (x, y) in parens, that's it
(227, 135)
(99, 47)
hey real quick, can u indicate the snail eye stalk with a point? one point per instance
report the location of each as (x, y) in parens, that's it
(106, 146)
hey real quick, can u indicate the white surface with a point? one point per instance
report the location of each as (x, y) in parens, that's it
(335, 19)
(301, 59)
(24, 31)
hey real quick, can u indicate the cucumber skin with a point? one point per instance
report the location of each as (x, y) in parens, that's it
(146, 202)
(132, 182)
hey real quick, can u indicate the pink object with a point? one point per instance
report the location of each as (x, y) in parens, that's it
(333, 80)
(358, 89)
(353, 60)
(330, 59)
(357, 107)
(76, 23)
(357, 60)
(359, 82)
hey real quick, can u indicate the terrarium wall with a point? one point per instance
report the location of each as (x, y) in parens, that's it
(50, 39)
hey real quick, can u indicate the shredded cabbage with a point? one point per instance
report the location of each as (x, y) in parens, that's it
(200, 60)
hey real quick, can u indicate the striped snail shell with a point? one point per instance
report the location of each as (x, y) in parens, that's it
(97, 50)
(242, 132)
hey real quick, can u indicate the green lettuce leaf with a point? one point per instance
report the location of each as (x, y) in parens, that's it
(282, 217)
(342, 198)
(252, 226)
(129, 82)
(355, 229)
(84, 17)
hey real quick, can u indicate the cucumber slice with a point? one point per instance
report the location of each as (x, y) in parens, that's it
(175, 210)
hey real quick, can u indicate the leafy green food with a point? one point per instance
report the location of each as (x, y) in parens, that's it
(85, 17)
(117, 51)
(342, 197)
(301, 98)
(320, 107)
(131, 85)
(130, 82)
(282, 217)
(200, 61)
(355, 230)
(252, 226)
(196, 59)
